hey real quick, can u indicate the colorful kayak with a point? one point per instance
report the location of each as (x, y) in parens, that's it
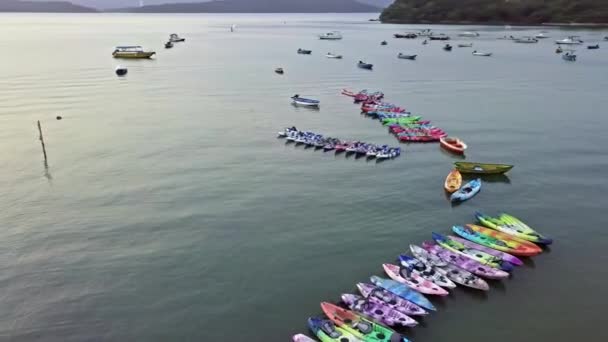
(358, 326)
(499, 254)
(453, 272)
(428, 272)
(516, 243)
(379, 312)
(512, 226)
(464, 262)
(453, 181)
(453, 145)
(326, 331)
(467, 191)
(492, 242)
(403, 292)
(407, 119)
(407, 277)
(378, 294)
(302, 338)
(482, 168)
(477, 255)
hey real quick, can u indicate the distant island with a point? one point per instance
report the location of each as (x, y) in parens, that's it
(257, 6)
(496, 12)
(50, 6)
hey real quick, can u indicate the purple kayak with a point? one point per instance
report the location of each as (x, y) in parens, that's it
(380, 312)
(464, 262)
(379, 295)
(502, 255)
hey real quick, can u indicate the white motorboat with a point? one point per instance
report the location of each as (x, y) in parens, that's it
(331, 55)
(301, 101)
(526, 40)
(541, 36)
(571, 40)
(405, 56)
(483, 54)
(470, 34)
(334, 35)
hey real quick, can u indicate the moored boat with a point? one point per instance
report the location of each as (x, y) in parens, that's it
(301, 101)
(304, 52)
(526, 40)
(331, 55)
(467, 191)
(465, 45)
(279, 71)
(453, 144)
(453, 181)
(405, 35)
(326, 330)
(593, 47)
(301, 338)
(135, 52)
(464, 262)
(364, 65)
(541, 35)
(510, 225)
(378, 294)
(487, 238)
(469, 34)
(404, 56)
(482, 54)
(121, 71)
(377, 311)
(384, 42)
(439, 36)
(447, 47)
(174, 38)
(482, 168)
(334, 35)
(471, 253)
(414, 281)
(569, 56)
(571, 40)
(168, 45)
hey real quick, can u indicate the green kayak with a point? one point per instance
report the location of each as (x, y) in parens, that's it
(482, 168)
(409, 119)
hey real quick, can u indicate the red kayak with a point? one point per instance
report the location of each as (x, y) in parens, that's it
(453, 145)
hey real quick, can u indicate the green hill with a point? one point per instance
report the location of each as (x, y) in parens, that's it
(497, 11)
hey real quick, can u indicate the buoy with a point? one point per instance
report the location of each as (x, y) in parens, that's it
(121, 71)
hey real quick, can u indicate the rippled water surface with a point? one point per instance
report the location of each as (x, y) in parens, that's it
(170, 212)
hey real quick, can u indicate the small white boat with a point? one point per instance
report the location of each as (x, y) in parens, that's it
(331, 55)
(483, 54)
(464, 45)
(440, 36)
(334, 35)
(404, 56)
(541, 36)
(569, 56)
(572, 40)
(301, 101)
(526, 40)
(470, 34)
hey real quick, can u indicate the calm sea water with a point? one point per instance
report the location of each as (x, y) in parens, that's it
(170, 212)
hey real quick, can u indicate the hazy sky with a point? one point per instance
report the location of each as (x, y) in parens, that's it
(133, 3)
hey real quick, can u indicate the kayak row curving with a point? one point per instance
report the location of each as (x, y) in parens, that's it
(318, 141)
(432, 269)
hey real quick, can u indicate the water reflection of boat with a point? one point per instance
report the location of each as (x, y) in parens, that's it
(495, 178)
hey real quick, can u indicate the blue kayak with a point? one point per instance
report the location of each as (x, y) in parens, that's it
(467, 191)
(403, 292)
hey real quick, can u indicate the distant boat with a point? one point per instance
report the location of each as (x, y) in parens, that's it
(569, 56)
(232, 28)
(559, 50)
(331, 55)
(447, 47)
(425, 33)
(121, 71)
(279, 71)
(482, 168)
(424, 42)
(593, 47)
(440, 36)
(304, 52)
(174, 38)
(404, 56)
(526, 40)
(135, 52)
(374, 20)
(572, 40)
(541, 36)
(405, 35)
(384, 42)
(301, 101)
(364, 65)
(483, 54)
(468, 34)
(465, 45)
(168, 45)
(334, 35)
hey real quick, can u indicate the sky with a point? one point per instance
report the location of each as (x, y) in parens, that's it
(104, 4)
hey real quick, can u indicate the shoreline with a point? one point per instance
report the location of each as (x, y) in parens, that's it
(471, 23)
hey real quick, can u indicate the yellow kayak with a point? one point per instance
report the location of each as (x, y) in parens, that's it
(453, 181)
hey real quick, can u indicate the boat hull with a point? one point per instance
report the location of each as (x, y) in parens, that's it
(482, 168)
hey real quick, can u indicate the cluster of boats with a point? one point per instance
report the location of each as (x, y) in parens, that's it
(453, 182)
(138, 52)
(491, 249)
(318, 141)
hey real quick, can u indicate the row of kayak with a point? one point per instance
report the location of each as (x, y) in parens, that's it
(475, 254)
(318, 141)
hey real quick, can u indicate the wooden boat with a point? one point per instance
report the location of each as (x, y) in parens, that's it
(453, 145)
(135, 52)
(404, 56)
(482, 168)
(453, 181)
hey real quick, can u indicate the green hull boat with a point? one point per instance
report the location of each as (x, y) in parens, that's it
(482, 168)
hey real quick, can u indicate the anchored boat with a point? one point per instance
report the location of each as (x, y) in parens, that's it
(135, 52)
(482, 168)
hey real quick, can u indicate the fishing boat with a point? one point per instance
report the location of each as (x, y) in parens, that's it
(364, 65)
(334, 35)
(383, 43)
(121, 71)
(405, 35)
(571, 40)
(469, 34)
(465, 45)
(467, 191)
(135, 52)
(331, 55)
(482, 54)
(404, 56)
(439, 36)
(482, 168)
(174, 38)
(301, 101)
(279, 71)
(569, 56)
(526, 40)
(304, 52)
(168, 45)
(453, 181)
(541, 35)
(453, 145)
(447, 47)
(593, 47)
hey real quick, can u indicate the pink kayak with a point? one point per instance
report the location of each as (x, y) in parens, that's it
(348, 93)
(378, 294)
(424, 138)
(463, 262)
(501, 255)
(413, 280)
(302, 338)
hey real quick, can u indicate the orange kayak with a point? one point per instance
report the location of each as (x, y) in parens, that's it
(522, 246)
(453, 181)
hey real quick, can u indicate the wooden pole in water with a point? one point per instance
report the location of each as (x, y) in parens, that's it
(41, 137)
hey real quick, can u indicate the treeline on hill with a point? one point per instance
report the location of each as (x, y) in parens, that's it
(497, 11)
